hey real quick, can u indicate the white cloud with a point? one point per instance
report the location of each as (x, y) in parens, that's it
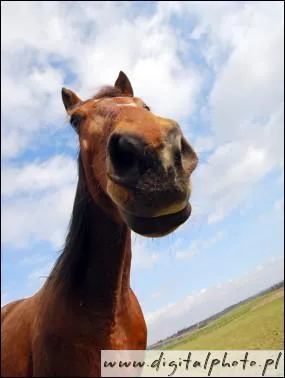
(37, 201)
(232, 169)
(189, 252)
(198, 245)
(214, 239)
(34, 259)
(31, 101)
(50, 174)
(279, 204)
(95, 43)
(208, 301)
(203, 144)
(274, 214)
(39, 218)
(142, 257)
(39, 275)
(245, 108)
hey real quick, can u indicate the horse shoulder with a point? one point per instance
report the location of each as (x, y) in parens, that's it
(16, 320)
(7, 309)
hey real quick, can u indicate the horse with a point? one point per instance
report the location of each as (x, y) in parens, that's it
(134, 174)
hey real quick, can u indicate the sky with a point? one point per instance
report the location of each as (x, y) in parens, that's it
(217, 68)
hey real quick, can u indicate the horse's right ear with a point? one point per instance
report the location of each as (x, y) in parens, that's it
(69, 98)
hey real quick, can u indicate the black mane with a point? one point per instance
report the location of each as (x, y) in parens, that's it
(71, 259)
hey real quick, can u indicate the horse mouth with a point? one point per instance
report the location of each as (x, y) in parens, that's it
(156, 226)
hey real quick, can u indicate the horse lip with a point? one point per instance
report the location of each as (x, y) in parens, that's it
(160, 225)
(172, 209)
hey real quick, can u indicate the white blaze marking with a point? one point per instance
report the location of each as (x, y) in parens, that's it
(166, 155)
(130, 103)
(126, 102)
(124, 98)
(133, 104)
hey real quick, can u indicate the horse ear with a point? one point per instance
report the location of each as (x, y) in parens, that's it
(69, 98)
(124, 85)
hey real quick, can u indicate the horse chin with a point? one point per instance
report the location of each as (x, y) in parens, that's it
(154, 227)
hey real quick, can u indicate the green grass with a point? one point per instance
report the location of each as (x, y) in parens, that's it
(257, 324)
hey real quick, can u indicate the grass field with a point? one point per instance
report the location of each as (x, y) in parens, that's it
(257, 324)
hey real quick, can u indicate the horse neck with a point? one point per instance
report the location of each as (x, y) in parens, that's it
(94, 267)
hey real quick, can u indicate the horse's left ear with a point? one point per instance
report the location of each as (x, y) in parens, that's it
(124, 85)
(69, 98)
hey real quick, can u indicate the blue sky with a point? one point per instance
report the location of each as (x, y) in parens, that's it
(216, 68)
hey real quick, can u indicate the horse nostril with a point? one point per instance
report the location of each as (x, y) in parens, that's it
(123, 152)
(177, 158)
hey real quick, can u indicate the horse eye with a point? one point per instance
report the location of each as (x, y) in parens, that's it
(75, 120)
(146, 107)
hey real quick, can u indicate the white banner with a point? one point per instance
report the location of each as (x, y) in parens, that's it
(194, 363)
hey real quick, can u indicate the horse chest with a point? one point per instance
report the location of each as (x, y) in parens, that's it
(129, 332)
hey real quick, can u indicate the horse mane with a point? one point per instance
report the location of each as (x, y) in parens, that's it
(71, 257)
(108, 91)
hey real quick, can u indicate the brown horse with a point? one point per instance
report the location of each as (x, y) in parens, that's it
(134, 174)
